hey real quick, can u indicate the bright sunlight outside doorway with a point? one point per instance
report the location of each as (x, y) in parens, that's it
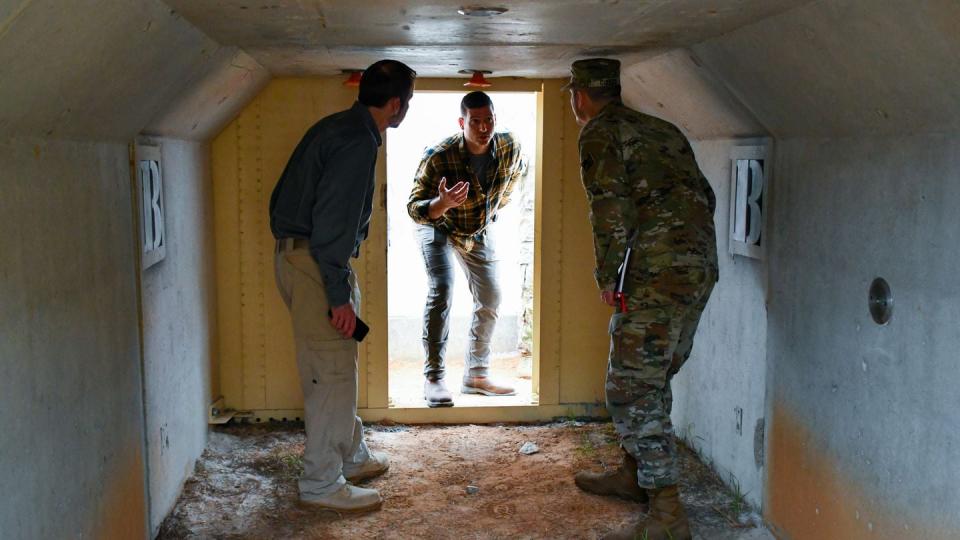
(431, 118)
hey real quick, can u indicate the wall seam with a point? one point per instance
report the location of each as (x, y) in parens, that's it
(137, 267)
(240, 260)
(260, 254)
(8, 23)
(719, 81)
(558, 290)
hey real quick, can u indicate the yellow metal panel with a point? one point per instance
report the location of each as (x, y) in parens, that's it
(228, 305)
(481, 415)
(373, 354)
(548, 257)
(257, 365)
(227, 181)
(510, 84)
(251, 264)
(285, 116)
(256, 342)
(449, 415)
(288, 108)
(584, 321)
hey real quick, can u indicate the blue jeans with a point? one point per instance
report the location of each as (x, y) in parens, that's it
(480, 268)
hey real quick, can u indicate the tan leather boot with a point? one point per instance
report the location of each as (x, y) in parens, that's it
(666, 520)
(620, 482)
(485, 386)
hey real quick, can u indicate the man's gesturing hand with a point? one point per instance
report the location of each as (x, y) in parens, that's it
(453, 197)
(343, 319)
(448, 198)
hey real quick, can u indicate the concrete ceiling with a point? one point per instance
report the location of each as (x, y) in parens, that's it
(535, 38)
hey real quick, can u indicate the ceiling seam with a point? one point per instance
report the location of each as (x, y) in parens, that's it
(8, 22)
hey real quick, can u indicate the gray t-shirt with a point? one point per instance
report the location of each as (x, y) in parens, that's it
(479, 164)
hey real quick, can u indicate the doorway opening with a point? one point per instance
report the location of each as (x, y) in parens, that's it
(431, 118)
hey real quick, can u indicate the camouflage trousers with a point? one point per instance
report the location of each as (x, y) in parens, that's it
(648, 345)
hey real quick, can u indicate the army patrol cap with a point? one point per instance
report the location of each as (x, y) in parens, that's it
(594, 73)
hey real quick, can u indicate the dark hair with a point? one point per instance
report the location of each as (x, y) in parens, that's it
(603, 93)
(385, 80)
(475, 100)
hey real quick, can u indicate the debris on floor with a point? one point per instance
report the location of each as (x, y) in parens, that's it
(456, 482)
(529, 448)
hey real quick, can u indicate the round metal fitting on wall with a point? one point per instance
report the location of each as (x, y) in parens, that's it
(881, 301)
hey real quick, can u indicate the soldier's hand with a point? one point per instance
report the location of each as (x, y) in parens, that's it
(608, 298)
(454, 196)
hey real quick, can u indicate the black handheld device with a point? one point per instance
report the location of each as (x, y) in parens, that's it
(359, 332)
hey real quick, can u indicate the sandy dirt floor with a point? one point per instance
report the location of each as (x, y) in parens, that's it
(244, 487)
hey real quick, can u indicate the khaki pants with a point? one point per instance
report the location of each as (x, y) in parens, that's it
(328, 376)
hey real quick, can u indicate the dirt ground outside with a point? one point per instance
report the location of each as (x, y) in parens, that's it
(445, 482)
(406, 382)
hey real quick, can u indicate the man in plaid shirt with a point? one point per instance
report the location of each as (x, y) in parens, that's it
(461, 184)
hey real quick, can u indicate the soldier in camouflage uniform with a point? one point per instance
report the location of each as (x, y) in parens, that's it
(645, 192)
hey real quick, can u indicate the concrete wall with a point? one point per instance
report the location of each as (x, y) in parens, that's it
(79, 82)
(71, 454)
(864, 439)
(863, 99)
(846, 68)
(179, 326)
(728, 366)
(100, 70)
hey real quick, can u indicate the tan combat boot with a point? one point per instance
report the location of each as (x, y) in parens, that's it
(666, 520)
(620, 482)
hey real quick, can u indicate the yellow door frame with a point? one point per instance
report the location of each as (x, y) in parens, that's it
(255, 355)
(546, 382)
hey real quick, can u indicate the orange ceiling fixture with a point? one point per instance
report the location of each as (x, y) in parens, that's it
(354, 78)
(478, 80)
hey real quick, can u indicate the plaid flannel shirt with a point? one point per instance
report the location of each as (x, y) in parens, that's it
(450, 159)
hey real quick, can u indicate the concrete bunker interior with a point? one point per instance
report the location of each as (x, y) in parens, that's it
(834, 426)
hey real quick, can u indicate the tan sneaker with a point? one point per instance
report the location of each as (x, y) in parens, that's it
(485, 386)
(372, 468)
(347, 500)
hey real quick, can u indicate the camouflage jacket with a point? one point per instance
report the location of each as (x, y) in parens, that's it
(642, 178)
